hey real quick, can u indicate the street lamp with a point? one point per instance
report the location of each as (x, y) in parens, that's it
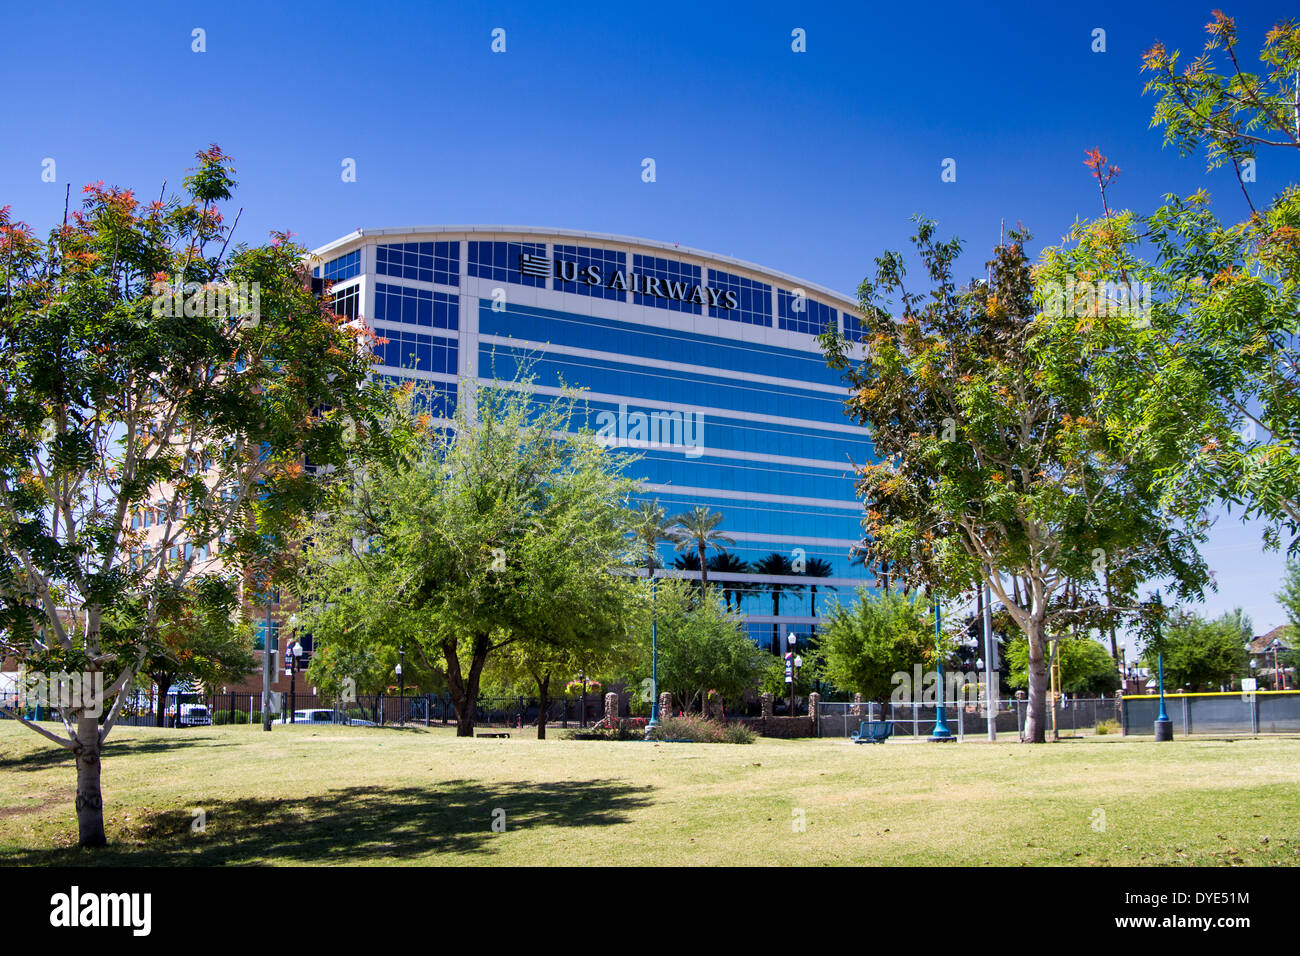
(941, 731)
(1279, 679)
(792, 664)
(296, 656)
(1164, 726)
(654, 655)
(401, 681)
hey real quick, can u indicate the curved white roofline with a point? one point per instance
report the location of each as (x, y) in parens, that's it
(393, 233)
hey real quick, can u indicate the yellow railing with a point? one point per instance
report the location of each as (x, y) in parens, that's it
(1215, 693)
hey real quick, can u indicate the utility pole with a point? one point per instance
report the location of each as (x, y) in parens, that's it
(267, 654)
(990, 672)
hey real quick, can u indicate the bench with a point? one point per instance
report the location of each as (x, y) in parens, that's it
(492, 735)
(874, 732)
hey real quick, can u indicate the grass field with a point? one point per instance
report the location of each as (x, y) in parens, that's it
(340, 795)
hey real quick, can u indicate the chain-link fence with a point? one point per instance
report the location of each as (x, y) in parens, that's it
(917, 719)
(1243, 712)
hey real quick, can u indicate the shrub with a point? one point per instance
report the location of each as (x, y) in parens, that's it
(701, 731)
(738, 734)
(1107, 727)
(627, 728)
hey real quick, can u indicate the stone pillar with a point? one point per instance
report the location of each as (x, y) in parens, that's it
(857, 708)
(814, 699)
(665, 705)
(765, 700)
(611, 709)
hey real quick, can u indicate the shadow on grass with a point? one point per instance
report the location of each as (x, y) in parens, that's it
(354, 825)
(51, 755)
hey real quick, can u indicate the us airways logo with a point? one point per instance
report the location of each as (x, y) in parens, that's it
(77, 909)
(540, 267)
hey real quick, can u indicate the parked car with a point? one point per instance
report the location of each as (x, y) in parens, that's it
(194, 715)
(323, 715)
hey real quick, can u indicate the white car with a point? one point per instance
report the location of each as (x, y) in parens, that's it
(195, 715)
(326, 716)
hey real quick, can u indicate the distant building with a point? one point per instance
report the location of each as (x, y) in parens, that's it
(1268, 663)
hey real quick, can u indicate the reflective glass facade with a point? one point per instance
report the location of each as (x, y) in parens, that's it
(705, 367)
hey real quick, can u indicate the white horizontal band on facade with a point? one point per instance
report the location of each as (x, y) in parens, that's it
(745, 578)
(705, 410)
(768, 619)
(755, 496)
(793, 542)
(704, 452)
(838, 391)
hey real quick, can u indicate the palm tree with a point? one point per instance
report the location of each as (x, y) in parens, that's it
(780, 565)
(688, 562)
(817, 568)
(727, 563)
(650, 526)
(699, 528)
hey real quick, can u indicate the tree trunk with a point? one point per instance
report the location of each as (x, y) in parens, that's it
(776, 627)
(704, 572)
(464, 690)
(162, 680)
(1036, 721)
(543, 700)
(90, 801)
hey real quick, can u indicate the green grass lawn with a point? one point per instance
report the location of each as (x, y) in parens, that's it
(344, 795)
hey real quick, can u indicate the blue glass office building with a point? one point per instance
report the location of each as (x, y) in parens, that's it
(705, 365)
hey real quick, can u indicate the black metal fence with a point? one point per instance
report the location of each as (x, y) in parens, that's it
(379, 710)
(383, 710)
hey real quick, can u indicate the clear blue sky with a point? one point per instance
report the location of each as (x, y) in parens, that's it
(810, 163)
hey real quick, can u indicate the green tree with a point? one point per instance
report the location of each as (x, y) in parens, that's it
(699, 530)
(808, 678)
(1207, 375)
(993, 465)
(701, 648)
(651, 526)
(198, 634)
(1086, 668)
(867, 643)
(495, 531)
(1201, 654)
(139, 372)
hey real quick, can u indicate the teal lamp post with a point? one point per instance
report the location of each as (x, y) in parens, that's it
(941, 731)
(1164, 726)
(654, 654)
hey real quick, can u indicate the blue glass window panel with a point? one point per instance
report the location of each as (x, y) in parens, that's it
(815, 317)
(753, 299)
(624, 339)
(401, 304)
(499, 261)
(663, 385)
(414, 350)
(715, 432)
(344, 267)
(422, 261)
(802, 314)
(437, 398)
(667, 270)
